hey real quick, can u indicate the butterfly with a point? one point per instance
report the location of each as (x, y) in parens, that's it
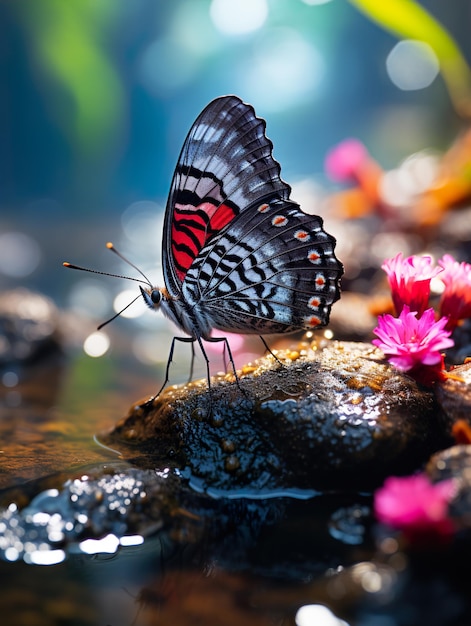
(238, 254)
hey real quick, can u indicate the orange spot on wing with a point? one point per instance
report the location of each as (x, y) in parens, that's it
(302, 235)
(279, 220)
(314, 303)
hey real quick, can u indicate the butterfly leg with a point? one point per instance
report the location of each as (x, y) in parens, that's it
(229, 352)
(267, 348)
(170, 359)
(190, 377)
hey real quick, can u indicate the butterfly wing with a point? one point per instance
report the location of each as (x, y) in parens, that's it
(273, 270)
(225, 166)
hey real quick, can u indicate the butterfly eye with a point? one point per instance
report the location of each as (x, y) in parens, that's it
(155, 296)
(152, 297)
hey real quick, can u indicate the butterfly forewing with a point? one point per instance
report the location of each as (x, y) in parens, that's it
(224, 168)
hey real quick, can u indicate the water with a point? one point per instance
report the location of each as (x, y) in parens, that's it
(173, 554)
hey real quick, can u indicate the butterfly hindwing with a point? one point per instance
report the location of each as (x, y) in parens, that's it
(272, 270)
(225, 166)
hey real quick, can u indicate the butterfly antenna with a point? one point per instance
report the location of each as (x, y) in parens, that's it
(119, 313)
(111, 247)
(87, 269)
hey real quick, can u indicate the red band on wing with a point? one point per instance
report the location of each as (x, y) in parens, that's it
(221, 217)
(192, 228)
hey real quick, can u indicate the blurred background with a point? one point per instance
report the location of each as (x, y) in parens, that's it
(97, 97)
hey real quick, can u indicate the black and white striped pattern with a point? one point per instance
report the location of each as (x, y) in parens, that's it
(259, 276)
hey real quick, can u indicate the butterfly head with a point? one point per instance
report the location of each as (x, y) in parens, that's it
(152, 297)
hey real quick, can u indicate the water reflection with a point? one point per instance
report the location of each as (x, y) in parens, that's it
(317, 615)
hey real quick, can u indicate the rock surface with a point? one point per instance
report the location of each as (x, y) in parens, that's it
(454, 395)
(28, 327)
(329, 415)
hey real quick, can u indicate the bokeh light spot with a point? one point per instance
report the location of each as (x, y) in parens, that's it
(284, 75)
(89, 297)
(400, 186)
(238, 18)
(142, 222)
(10, 379)
(412, 65)
(19, 254)
(124, 299)
(11, 554)
(96, 344)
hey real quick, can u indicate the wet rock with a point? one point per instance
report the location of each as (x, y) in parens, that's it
(107, 508)
(455, 462)
(331, 414)
(28, 327)
(454, 395)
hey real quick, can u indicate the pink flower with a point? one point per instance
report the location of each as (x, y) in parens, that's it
(410, 342)
(414, 345)
(455, 302)
(344, 161)
(409, 280)
(415, 505)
